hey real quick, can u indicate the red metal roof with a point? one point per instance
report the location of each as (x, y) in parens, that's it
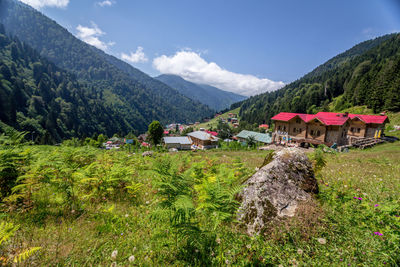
(330, 118)
(212, 133)
(285, 116)
(369, 118)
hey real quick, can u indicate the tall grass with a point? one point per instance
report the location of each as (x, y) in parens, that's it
(85, 206)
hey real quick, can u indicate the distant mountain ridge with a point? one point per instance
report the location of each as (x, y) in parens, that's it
(366, 74)
(211, 96)
(137, 97)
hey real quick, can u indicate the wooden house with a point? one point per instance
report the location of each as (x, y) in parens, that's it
(203, 140)
(326, 127)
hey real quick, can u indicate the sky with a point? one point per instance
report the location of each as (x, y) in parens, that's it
(246, 47)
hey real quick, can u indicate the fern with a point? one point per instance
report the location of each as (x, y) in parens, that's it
(7, 230)
(26, 254)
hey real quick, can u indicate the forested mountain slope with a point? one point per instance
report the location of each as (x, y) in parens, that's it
(367, 74)
(138, 98)
(213, 97)
(37, 96)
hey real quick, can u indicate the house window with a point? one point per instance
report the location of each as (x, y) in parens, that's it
(279, 127)
(297, 120)
(312, 132)
(358, 130)
(294, 129)
(318, 133)
(352, 129)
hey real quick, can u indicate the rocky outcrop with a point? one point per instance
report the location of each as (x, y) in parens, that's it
(276, 189)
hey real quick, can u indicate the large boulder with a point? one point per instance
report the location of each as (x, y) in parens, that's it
(276, 189)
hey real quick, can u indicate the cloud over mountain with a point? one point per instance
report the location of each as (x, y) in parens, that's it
(42, 3)
(91, 35)
(192, 67)
(138, 57)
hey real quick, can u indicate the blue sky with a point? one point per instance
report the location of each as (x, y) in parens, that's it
(242, 46)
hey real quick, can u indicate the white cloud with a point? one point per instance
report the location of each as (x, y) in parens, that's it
(42, 3)
(137, 57)
(192, 67)
(106, 3)
(91, 36)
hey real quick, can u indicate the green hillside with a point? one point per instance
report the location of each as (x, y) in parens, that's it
(213, 123)
(38, 97)
(135, 96)
(367, 74)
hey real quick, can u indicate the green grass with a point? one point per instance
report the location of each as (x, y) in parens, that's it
(214, 122)
(131, 224)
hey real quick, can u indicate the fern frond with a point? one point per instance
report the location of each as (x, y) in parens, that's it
(7, 230)
(26, 254)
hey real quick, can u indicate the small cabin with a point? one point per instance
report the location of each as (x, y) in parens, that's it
(203, 140)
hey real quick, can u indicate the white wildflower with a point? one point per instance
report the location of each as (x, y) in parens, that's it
(131, 258)
(218, 240)
(114, 254)
(300, 251)
(126, 215)
(322, 241)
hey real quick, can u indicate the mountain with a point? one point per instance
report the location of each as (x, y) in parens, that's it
(48, 102)
(213, 97)
(367, 74)
(128, 92)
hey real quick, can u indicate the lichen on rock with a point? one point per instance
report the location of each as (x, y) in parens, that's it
(275, 190)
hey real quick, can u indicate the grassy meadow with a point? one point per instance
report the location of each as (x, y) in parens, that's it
(81, 206)
(213, 123)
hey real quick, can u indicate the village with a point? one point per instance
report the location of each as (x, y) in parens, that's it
(339, 131)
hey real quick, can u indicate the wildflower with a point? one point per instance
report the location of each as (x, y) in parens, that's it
(248, 246)
(126, 215)
(359, 198)
(227, 262)
(300, 251)
(131, 258)
(147, 202)
(196, 250)
(122, 233)
(378, 233)
(322, 241)
(218, 240)
(114, 264)
(376, 205)
(114, 254)
(355, 197)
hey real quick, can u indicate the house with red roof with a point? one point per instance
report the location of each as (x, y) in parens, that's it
(326, 127)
